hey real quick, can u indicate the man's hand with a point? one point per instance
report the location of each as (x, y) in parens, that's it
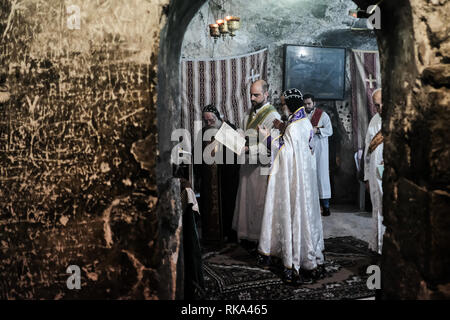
(280, 125)
(215, 146)
(263, 131)
(316, 129)
(367, 186)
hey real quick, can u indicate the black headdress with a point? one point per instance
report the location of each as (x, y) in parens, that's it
(211, 108)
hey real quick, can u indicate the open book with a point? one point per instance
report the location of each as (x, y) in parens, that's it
(230, 138)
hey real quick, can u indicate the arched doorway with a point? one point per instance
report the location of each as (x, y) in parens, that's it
(412, 65)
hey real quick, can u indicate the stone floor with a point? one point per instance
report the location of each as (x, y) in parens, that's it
(347, 221)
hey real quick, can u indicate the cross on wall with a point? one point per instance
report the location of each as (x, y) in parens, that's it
(371, 80)
(254, 76)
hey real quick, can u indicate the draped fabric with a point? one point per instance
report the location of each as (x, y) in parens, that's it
(193, 270)
(371, 163)
(366, 77)
(292, 223)
(224, 83)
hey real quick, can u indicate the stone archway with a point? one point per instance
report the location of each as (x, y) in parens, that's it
(99, 199)
(415, 70)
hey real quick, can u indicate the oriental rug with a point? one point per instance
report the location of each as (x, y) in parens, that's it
(232, 274)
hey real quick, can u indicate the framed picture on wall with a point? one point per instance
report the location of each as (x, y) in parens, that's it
(316, 70)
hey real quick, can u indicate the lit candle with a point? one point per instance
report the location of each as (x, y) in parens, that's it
(223, 27)
(233, 24)
(214, 30)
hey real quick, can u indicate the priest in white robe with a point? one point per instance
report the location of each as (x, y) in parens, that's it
(292, 223)
(252, 180)
(373, 168)
(322, 130)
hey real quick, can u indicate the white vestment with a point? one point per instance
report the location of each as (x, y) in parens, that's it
(371, 163)
(249, 206)
(321, 153)
(292, 224)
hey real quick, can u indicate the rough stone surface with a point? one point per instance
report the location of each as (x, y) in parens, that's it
(416, 251)
(76, 185)
(320, 23)
(78, 144)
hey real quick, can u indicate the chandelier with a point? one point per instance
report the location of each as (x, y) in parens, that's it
(225, 27)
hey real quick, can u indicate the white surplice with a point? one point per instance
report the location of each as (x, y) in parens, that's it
(249, 206)
(292, 224)
(321, 153)
(371, 163)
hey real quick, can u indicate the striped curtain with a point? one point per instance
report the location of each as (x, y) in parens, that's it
(366, 77)
(224, 83)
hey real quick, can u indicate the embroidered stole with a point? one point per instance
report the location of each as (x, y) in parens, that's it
(253, 122)
(376, 141)
(316, 117)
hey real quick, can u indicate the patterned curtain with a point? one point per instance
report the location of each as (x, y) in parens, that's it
(366, 77)
(224, 83)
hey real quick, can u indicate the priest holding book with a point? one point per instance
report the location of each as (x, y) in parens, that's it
(217, 180)
(253, 174)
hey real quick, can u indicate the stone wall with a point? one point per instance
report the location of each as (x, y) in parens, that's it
(414, 46)
(78, 182)
(78, 141)
(308, 22)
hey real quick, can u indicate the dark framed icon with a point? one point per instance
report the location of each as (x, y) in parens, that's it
(316, 70)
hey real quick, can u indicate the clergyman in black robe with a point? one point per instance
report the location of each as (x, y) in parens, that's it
(218, 185)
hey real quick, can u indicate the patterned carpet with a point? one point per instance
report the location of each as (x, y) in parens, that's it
(232, 274)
